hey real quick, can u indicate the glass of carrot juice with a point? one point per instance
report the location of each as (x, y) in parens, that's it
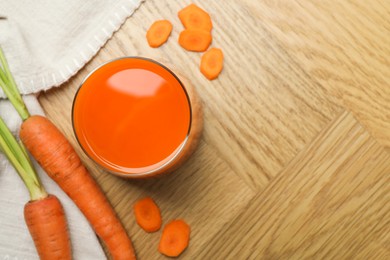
(135, 118)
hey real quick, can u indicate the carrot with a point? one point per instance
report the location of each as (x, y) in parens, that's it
(158, 33)
(47, 225)
(194, 17)
(56, 155)
(195, 40)
(60, 161)
(147, 215)
(175, 238)
(44, 214)
(212, 63)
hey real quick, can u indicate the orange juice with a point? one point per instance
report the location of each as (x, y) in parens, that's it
(132, 116)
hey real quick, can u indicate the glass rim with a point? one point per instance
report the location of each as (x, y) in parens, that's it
(176, 152)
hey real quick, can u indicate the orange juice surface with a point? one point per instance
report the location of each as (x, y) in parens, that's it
(131, 115)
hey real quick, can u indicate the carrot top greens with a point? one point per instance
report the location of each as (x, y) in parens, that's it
(8, 84)
(14, 150)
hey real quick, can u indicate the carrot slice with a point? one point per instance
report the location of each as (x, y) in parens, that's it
(147, 215)
(194, 17)
(195, 40)
(211, 63)
(158, 33)
(175, 238)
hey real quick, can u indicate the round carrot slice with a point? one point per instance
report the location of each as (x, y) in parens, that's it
(194, 17)
(147, 215)
(158, 33)
(211, 63)
(175, 238)
(195, 40)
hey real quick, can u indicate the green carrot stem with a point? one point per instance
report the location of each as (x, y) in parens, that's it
(16, 102)
(8, 84)
(27, 156)
(2, 75)
(7, 71)
(6, 134)
(16, 152)
(19, 158)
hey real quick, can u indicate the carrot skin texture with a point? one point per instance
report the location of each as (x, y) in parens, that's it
(47, 224)
(58, 158)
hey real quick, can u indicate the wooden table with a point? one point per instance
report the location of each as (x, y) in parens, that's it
(294, 162)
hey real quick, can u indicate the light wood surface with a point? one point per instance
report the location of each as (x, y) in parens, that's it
(294, 162)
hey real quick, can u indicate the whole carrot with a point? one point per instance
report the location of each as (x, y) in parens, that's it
(43, 214)
(60, 161)
(55, 154)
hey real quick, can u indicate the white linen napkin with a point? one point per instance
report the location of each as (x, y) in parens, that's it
(46, 42)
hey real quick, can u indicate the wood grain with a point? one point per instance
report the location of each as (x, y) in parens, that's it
(294, 162)
(342, 45)
(258, 78)
(193, 193)
(328, 203)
